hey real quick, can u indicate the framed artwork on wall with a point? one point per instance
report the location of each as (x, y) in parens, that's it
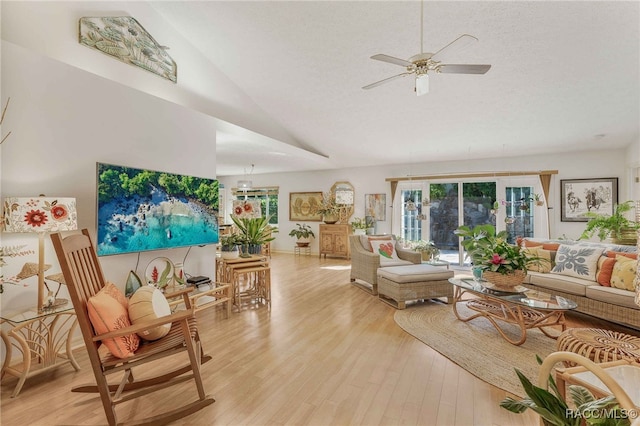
(303, 206)
(580, 196)
(375, 205)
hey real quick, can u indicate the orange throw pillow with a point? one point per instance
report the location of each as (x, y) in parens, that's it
(605, 269)
(106, 314)
(620, 253)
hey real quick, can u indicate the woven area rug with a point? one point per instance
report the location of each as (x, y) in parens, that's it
(476, 345)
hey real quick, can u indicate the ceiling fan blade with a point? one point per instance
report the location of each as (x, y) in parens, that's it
(451, 49)
(392, 60)
(463, 69)
(386, 80)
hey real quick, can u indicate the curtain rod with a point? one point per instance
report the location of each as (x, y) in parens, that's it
(471, 175)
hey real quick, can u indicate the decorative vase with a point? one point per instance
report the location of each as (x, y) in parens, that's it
(359, 232)
(330, 219)
(510, 280)
(233, 254)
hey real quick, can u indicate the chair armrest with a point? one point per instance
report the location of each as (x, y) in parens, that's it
(136, 328)
(408, 254)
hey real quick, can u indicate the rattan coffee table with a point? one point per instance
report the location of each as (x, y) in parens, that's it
(523, 307)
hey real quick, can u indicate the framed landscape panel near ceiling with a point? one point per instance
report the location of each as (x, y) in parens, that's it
(580, 196)
(303, 206)
(123, 38)
(376, 206)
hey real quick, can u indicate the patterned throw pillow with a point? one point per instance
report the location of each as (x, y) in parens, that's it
(107, 313)
(624, 273)
(544, 263)
(577, 261)
(387, 251)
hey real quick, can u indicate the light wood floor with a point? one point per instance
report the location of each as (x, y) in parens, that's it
(326, 353)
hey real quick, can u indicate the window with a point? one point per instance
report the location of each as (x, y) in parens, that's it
(268, 198)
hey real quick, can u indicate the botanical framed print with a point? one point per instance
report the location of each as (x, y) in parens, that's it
(304, 206)
(375, 205)
(580, 196)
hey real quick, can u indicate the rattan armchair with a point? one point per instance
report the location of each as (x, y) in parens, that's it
(365, 263)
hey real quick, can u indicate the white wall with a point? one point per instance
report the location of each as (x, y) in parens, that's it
(51, 29)
(63, 120)
(371, 180)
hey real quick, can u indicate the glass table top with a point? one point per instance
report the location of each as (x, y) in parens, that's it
(17, 317)
(521, 295)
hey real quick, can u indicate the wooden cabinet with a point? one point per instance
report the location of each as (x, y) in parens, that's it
(334, 240)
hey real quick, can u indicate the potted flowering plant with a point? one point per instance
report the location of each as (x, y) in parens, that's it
(501, 263)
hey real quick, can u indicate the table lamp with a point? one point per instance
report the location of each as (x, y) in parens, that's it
(41, 215)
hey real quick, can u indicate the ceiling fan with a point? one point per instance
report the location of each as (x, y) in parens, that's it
(422, 63)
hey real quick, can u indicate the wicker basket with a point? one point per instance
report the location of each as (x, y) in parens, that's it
(509, 280)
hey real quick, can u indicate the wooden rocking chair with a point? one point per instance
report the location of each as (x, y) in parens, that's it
(84, 278)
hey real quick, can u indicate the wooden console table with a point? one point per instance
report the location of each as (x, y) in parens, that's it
(43, 339)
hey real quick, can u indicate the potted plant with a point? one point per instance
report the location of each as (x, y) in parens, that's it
(501, 263)
(254, 231)
(303, 233)
(554, 410)
(359, 225)
(229, 246)
(617, 226)
(329, 209)
(427, 249)
(537, 198)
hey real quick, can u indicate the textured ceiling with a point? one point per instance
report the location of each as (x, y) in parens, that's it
(565, 76)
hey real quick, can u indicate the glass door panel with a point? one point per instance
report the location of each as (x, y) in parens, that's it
(520, 218)
(444, 219)
(411, 214)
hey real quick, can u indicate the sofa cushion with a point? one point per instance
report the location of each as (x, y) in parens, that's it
(613, 295)
(557, 282)
(614, 254)
(577, 261)
(605, 269)
(624, 273)
(367, 240)
(414, 273)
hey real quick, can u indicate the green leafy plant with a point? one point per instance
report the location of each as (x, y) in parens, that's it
(614, 225)
(230, 242)
(491, 252)
(302, 231)
(254, 230)
(359, 223)
(554, 410)
(427, 248)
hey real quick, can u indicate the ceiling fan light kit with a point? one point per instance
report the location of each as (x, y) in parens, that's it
(422, 63)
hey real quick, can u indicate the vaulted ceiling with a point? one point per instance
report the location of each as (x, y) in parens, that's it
(565, 76)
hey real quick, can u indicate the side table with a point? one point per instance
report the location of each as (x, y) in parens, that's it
(306, 250)
(43, 340)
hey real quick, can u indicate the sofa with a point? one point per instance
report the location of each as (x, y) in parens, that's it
(365, 262)
(599, 277)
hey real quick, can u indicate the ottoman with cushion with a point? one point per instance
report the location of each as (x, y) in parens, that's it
(400, 284)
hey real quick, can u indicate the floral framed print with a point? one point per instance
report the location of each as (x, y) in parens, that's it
(305, 206)
(376, 205)
(581, 196)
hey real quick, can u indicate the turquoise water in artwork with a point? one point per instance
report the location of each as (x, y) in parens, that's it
(138, 224)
